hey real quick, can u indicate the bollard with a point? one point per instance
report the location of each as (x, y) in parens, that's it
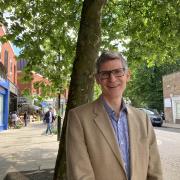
(58, 128)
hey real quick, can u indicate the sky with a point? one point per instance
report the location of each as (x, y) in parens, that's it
(16, 50)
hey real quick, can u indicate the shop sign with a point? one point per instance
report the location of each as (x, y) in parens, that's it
(44, 104)
(167, 102)
(22, 100)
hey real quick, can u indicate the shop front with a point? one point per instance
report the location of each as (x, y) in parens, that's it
(4, 103)
(4, 98)
(13, 97)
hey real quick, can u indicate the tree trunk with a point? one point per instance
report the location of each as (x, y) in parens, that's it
(82, 78)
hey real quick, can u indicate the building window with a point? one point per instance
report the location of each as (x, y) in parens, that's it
(14, 73)
(11, 67)
(178, 110)
(6, 60)
(21, 64)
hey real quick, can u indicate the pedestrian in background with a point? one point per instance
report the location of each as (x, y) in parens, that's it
(14, 118)
(107, 139)
(25, 118)
(49, 118)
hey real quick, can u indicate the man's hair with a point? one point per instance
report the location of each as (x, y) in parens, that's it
(109, 56)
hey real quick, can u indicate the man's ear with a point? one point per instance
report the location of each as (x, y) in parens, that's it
(128, 75)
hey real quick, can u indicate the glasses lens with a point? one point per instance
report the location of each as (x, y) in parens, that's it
(104, 74)
(116, 72)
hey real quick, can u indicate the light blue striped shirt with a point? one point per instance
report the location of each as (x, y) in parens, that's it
(120, 126)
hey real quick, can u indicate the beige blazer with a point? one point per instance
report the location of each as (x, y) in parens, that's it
(92, 152)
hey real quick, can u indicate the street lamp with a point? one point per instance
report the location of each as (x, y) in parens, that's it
(59, 58)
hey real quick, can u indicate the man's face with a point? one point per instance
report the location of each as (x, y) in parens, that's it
(112, 79)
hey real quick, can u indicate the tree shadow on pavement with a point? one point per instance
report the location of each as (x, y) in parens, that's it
(31, 175)
(29, 164)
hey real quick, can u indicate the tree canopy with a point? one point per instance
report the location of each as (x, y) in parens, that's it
(47, 32)
(149, 30)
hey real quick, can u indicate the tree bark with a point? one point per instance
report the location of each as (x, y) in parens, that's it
(82, 77)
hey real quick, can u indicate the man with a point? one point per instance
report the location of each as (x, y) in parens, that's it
(108, 140)
(49, 118)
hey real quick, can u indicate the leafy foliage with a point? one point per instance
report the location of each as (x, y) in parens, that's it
(97, 91)
(46, 31)
(149, 30)
(145, 88)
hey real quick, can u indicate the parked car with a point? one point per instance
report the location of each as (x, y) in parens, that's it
(154, 116)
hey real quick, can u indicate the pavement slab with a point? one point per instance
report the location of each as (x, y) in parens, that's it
(27, 149)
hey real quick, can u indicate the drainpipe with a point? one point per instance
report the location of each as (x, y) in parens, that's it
(172, 108)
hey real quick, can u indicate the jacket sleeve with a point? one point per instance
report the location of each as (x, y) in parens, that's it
(154, 167)
(77, 157)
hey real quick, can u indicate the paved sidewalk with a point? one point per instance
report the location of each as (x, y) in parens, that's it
(170, 125)
(27, 149)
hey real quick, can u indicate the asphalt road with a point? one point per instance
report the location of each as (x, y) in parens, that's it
(169, 148)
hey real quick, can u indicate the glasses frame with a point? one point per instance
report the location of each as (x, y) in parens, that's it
(111, 72)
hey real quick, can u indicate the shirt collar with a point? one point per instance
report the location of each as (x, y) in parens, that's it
(110, 110)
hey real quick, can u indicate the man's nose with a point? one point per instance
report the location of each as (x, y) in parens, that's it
(112, 78)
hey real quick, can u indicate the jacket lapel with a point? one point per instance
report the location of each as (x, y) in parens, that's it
(103, 122)
(132, 139)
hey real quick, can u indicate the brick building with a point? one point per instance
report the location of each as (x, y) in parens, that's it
(57, 101)
(8, 58)
(171, 93)
(8, 81)
(30, 86)
(33, 90)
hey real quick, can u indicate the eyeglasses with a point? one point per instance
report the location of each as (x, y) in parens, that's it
(116, 72)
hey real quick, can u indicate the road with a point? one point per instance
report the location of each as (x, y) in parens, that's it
(169, 148)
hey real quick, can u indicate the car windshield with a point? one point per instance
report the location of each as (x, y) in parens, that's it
(149, 112)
